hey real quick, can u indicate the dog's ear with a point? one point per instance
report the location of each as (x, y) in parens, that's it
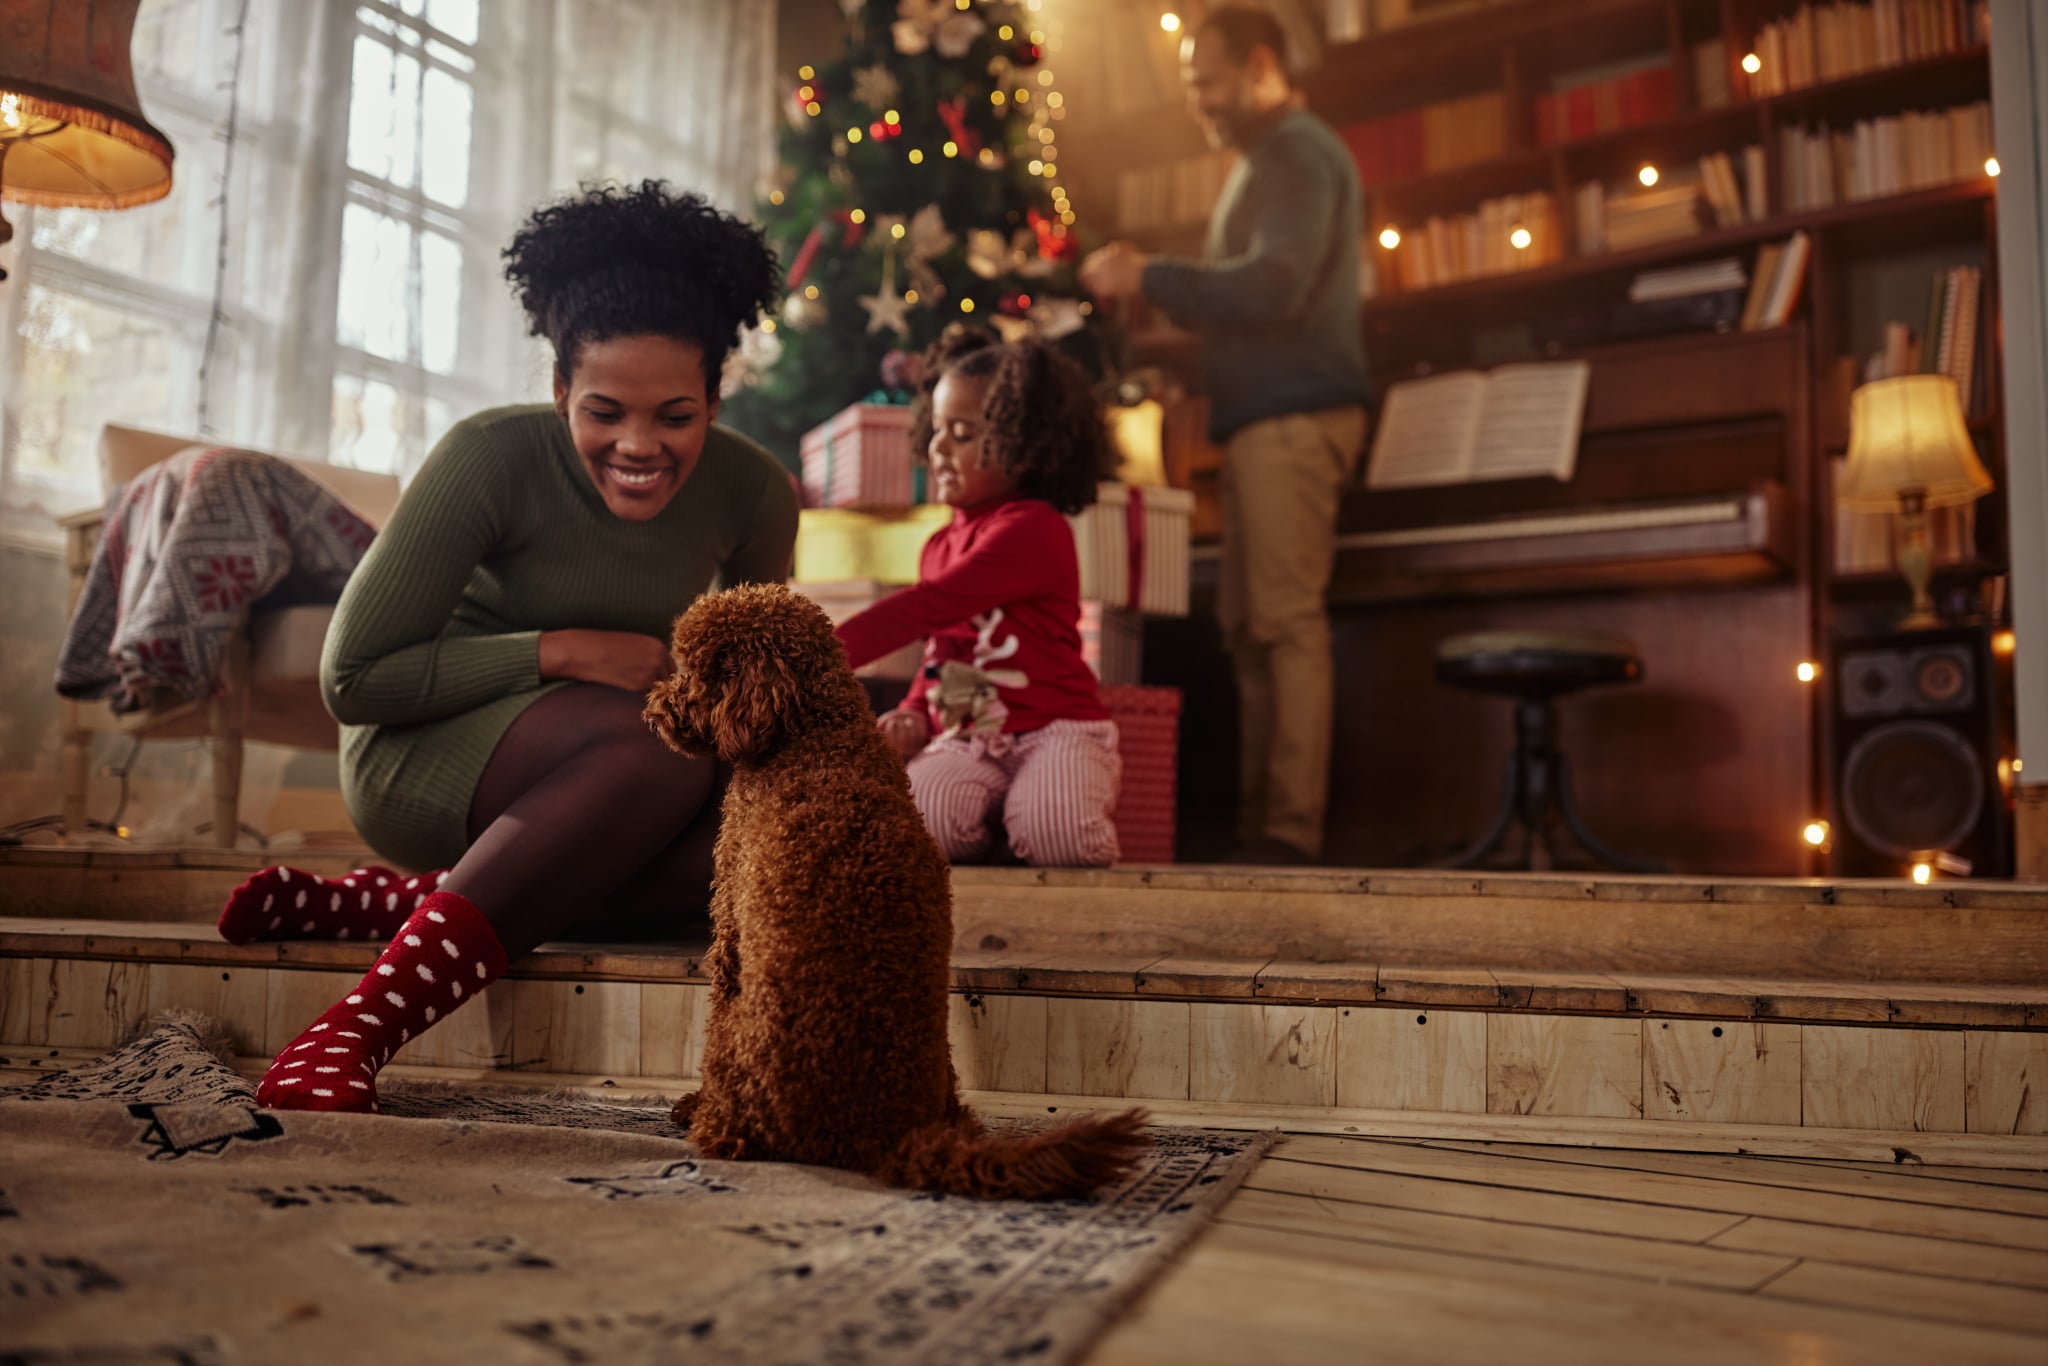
(756, 708)
(667, 714)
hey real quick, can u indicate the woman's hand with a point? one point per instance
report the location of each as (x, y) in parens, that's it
(908, 731)
(617, 659)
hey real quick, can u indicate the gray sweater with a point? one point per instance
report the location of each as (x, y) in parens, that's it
(1276, 300)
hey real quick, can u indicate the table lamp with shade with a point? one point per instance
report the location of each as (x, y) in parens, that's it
(1910, 452)
(72, 134)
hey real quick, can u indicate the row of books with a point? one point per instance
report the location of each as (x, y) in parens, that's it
(1469, 246)
(1177, 193)
(1435, 137)
(1684, 202)
(1822, 167)
(1951, 343)
(1819, 43)
(1348, 20)
(1866, 542)
(1626, 101)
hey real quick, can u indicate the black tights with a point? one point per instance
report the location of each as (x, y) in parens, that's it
(584, 823)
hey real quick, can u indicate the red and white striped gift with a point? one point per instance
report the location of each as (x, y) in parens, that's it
(861, 457)
(1148, 740)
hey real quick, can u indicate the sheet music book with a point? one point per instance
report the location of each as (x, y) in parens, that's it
(1515, 422)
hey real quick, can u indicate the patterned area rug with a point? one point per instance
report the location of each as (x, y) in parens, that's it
(150, 1213)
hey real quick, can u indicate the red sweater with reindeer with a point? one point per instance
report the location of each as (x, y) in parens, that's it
(998, 588)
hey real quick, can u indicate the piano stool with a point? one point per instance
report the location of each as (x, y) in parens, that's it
(1536, 668)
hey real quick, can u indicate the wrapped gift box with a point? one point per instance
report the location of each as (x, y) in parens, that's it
(1148, 738)
(1112, 641)
(839, 544)
(1133, 546)
(861, 457)
(844, 597)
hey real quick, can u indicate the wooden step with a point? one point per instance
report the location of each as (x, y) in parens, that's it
(1756, 929)
(1258, 1032)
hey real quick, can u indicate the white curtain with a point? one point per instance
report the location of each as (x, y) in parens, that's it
(324, 279)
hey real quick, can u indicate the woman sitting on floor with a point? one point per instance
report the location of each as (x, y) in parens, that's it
(491, 654)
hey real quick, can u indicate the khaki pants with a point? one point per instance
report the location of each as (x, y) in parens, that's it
(1282, 479)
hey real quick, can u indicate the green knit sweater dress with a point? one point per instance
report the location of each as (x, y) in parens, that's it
(435, 646)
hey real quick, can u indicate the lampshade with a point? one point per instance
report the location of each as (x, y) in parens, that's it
(1906, 435)
(72, 132)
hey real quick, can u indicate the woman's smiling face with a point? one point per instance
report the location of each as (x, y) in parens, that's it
(638, 414)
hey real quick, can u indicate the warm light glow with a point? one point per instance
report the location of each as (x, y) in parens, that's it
(1991, 166)
(767, 324)
(1037, 37)
(1067, 216)
(10, 110)
(892, 118)
(1055, 99)
(988, 156)
(2004, 642)
(806, 94)
(1752, 64)
(1390, 237)
(1648, 175)
(1520, 239)
(963, 4)
(775, 196)
(2017, 765)
(1045, 78)
(1808, 671)
(1045, 135)
(804, 73)
(951, 149)
(813, 109)
(1051, 170)
(859, 216)
(1006, 33)
(1923, 873)
(1815, 833)
(1023, 301)
(853, 135)
(1023, 96)
(1037, 167)
(1170, 22)
(916, 156)
(810, 291)
(896, 231)
(910, 296)
(996, 97)
(967, 305)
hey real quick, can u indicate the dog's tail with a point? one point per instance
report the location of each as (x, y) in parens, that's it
(1074, 1159)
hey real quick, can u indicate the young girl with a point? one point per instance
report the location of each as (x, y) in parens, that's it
(1004, 716)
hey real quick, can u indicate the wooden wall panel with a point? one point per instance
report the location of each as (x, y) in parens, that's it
(296, 999)
(1881, 1078)
(1407, 1059)
(1564, 1065)
(239, 998)
(1725, 1073)
(576, 1027)
(672, 1019)
(999, 1042)
(1137, 1049)
(18, 996)
(2005, 1083)
(478, 1034)
(1263, 1054)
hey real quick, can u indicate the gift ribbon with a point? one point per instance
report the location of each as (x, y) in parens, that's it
(1134, 543)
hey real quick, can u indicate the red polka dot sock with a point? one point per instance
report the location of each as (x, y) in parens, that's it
(443, 956)
(290, 903)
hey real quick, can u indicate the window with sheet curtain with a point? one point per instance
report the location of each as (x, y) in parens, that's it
(341, 246)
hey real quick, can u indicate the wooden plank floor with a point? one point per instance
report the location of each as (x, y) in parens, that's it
(1364, 1251)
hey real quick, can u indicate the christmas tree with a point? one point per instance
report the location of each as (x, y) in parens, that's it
(919, 187)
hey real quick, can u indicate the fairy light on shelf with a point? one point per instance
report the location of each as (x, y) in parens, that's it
(1991, 166)
(2004, 642)
(1390, 237)
(1923, 872)
(1807, 671)
(1648, 175)
(1815, 833)
(1170, 22)
(1520, 239)
(1752, 63)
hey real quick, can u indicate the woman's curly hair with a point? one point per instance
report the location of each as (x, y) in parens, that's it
(640, 260)
(1040, 423)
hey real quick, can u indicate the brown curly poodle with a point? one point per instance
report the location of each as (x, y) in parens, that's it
(832, 924)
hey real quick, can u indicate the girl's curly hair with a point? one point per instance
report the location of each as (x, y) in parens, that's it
(1041, 422)
(640, 260)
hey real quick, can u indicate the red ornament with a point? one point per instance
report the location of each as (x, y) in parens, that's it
(953, 113)
(1055, 243)
(853, 232)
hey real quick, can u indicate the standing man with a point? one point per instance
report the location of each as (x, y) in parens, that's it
(1275, 302)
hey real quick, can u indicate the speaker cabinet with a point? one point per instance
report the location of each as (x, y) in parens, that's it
(1915, 753)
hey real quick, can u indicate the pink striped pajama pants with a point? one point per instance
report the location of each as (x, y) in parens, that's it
(1055, 787)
